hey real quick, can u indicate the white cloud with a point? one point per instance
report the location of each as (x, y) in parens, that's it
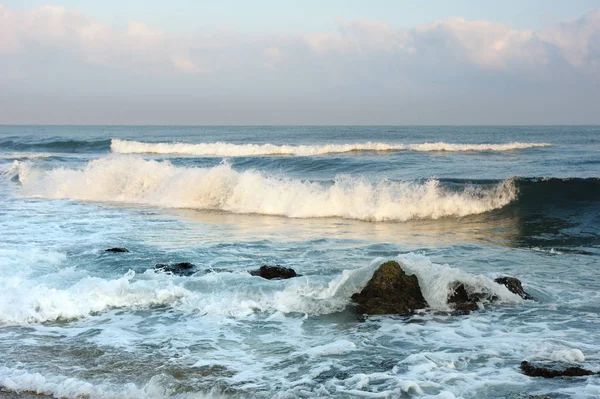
(578, 40)
(453, 41)
(184, 64)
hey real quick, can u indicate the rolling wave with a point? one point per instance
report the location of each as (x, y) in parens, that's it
(54, 144)
(222, 149)
(25, 155)
(131, 179)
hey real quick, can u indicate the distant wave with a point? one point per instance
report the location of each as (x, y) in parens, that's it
(54, 144)
(26, 155)
(131, 179)
(237, 150)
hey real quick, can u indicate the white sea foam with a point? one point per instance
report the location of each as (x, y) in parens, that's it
(25, 301)
(18, 380)
(131, 179)
(222, 149)
(334, 348)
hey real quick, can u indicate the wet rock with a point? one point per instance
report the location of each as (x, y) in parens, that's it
(390, 291)
(274, 272)
(180, 269)
(465, 299)
(573, 251)
(116, 250)
(544, 372)
(514, 285)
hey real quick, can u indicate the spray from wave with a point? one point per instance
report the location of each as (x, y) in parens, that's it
(134, 180)
(222, 149)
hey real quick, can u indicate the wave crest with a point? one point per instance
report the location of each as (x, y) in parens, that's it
(135, 180)
(222, 149)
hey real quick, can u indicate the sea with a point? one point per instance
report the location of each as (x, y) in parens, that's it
(450, 204)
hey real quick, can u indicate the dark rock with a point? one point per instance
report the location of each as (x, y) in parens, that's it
(514, 286)
(538, 371)
(464, 298)
(116, 250)
(574, 251)
(274, 272)
(390, 291)
(180, 269)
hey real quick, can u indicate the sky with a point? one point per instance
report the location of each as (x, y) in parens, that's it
(434, 62)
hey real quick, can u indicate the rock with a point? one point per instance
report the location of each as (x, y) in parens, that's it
(536, 371)
(464, 298)
(180, 269)
(514, 286)
(390, 291)
(116, 250)
(274, 272)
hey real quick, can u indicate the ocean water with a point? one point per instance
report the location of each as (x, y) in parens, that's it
(333, 203)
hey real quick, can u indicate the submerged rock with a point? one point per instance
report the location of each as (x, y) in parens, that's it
(180, 269)
(544, 372)
(514, 285)
(116, 250)
(390, 291)
(274, 272)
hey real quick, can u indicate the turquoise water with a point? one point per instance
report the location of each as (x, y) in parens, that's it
(477, 203)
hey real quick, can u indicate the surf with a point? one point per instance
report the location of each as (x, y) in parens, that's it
(223, 149)
(134, 180)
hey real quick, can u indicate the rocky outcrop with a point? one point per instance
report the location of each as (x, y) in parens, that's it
(465, 299)
(116, 250)
(545, 372)
(274, 272)
(390, 291)
(180, 269)
(514, 285)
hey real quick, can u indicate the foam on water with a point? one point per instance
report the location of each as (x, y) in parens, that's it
(235, 295)
(19, 380)
(223, 149)
(24, 300)
(134, 180)
(457, 356)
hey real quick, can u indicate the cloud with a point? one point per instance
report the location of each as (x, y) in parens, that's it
(184, 64)
(455, 40)
(578, 40)
(365, 62)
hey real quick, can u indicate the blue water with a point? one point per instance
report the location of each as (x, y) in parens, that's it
(75, 320)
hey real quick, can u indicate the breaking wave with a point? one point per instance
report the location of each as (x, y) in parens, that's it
(221, 149)
(128, 179)
(53, 144)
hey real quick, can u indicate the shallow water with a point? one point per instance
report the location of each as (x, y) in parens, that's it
(75, 320)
